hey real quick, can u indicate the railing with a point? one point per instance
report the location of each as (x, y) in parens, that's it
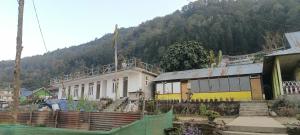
(291, 87)
(110, 68)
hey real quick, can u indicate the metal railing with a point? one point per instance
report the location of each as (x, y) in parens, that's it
(106, 69)
(291, 87)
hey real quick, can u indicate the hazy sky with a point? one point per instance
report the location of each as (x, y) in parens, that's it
(72, 22)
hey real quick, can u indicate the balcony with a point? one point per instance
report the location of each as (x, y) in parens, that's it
(291, 87)
(106, 69)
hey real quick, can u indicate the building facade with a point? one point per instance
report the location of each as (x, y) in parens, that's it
(282, 68)
(238, 83)
(133, 76)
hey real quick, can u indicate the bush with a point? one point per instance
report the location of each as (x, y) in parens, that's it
(212, 115)
(284, 107)
(202, 109)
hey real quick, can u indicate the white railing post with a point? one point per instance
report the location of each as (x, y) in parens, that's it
(291, 87)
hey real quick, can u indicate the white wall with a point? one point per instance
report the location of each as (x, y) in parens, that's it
(136, 81)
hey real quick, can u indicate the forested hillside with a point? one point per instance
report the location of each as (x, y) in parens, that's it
(233, 26)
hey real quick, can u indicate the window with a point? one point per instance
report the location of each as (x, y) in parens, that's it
(91, 88)
(69, 91)
(115, 85)
(195, 86)
(176, 87)
(224, 84)
(82, 90)
(146, 81)
(160, 88)
(168, 88)
(204, 85)
(214, 84)
(76, 87)
(234, 83)
(245, 83)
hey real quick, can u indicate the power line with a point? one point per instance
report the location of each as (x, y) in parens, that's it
(38, 21)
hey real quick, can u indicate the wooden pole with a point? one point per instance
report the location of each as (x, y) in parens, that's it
(115, 41)
(17, 69)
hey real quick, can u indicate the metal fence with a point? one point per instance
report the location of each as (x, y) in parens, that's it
(103, 121)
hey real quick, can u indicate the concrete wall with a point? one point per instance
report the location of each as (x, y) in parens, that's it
(297, 74)
(136, 81)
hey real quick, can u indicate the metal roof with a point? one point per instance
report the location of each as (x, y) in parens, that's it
(293, 39)
(212, 72)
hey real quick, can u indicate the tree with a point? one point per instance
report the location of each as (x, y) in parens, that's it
(183, 56)
(273, 41)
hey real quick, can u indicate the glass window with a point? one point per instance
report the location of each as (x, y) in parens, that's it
(245, 83)
(214, 84)
(91, 88)
(224, 84)
(234, 83)
(204, 85)
(194, 86)
(168, 88)
(76, 87)
(176, 87)
(160, 88)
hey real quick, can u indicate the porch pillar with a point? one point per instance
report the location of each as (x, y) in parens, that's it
(277, 63)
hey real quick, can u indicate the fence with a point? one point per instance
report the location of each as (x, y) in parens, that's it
(148, 125)
(291, 87)
(73, 120)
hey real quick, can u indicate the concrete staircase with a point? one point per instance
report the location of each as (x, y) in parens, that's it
(253, 108)
(113, 107)
(254, 125)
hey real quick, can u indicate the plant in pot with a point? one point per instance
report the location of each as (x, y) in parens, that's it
(211, 115)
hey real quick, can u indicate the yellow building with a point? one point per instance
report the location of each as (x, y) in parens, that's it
(238, 83)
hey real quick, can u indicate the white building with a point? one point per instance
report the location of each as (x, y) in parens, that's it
(132, 76)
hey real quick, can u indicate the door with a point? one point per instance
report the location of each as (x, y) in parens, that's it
(256, 88)
(125, 86)
(98, 90)
(184, 90)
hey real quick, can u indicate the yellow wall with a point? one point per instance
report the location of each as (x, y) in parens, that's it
(237, 96)
(169, 96)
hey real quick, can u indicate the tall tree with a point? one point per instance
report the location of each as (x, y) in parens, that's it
(183, 56)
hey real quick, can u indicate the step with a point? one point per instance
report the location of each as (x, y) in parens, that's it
(247, 133)
(257, 124)
(257, 129)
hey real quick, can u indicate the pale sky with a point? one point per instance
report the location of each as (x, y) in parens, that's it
(72, 22)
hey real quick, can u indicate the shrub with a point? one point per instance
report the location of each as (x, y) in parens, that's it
(284, 107)
(202, 109)
(212, 115)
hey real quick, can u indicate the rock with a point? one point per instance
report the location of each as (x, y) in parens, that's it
(272, 113)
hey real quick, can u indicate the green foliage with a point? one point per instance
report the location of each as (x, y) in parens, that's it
(235, 27)
(202, 109)
(211, 115)
(71, 106)
(183, 56)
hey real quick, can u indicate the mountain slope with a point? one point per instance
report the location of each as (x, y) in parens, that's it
(233, 26)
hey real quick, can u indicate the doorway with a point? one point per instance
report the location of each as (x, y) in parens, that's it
(125, 86)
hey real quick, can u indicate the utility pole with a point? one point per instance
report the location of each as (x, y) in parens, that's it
(17, 68)
(115, 44)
